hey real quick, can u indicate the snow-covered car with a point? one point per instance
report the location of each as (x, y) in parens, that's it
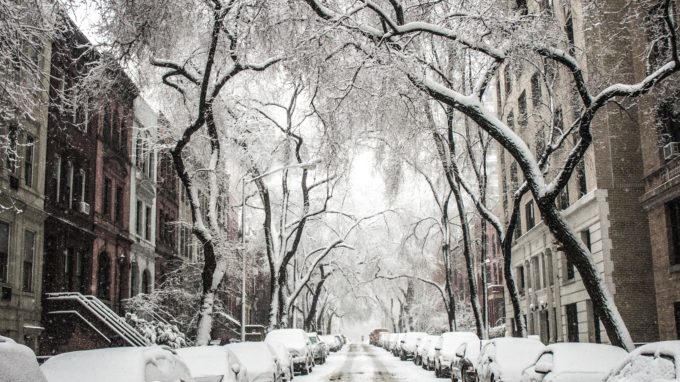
(125, 364)
(18, 363)
(504, 359)
(212, 364)
(464, 365)
(431, 353)
(332, 342)
(409, 343)
(391, 341)
(396, 350)
(447, 345)
(318, 352)
(423, 347)
(657, 361)
(583, 362)
(284, 358)
(297, 343)
(258, 359)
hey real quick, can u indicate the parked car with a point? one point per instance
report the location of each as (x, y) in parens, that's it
(384, 340)
(258, 359)
(657, 361)
(423, 347)
(375, 336)
(324, 346)
(447, 346)
(284, 358)
(504, 359)
(212, 364)
(318, 352)
(464, 365)
(392, 341)
(333, 343)
(583, 362)
(128, 364)
(18, 363)
(431, 353)
(396, 350)
(409, 343)
(297, 343)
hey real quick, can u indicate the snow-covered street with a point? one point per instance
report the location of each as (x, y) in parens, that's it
(362, 362)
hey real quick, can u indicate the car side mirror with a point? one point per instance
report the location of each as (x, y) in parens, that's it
(492, 358)
(543, 368)
(236, 368)
(460, 353)
(437, 348)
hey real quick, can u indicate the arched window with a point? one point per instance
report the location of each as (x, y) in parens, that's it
(134, 279)
(103, 276)
(146, 282)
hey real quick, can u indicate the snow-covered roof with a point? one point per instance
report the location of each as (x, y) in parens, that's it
(256, 357)
(130, 364)
(570, 357)
(18, 363)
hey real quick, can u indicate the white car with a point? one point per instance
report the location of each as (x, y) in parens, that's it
(299, 346)
(18, 363)
(431, 353)
(396, 349)
(318, 351)
(332, 342)
(258, 359)
(504, 359)
(464, 365)
(654, 362)
(129, 364)
(583, 362)
(425, 344)
(446, 346)
(409, 345)
(212, 364)
(284, 358)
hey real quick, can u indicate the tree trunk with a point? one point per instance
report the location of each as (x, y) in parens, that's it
(578, 254)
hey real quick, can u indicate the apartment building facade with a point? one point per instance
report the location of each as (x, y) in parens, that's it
(601, 201)
(22, 195)
(143, 191)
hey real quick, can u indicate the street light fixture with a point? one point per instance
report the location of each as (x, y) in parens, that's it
(304, 166)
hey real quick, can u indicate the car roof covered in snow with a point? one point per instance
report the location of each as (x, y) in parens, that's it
(127, 364)
(257, 357)
(290, 337)
(18, 363)
(206, 361)
(585, 357)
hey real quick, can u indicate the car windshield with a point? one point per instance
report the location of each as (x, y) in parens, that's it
(313, 340)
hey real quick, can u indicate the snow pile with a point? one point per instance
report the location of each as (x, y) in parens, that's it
(18, 363)
(157, 332)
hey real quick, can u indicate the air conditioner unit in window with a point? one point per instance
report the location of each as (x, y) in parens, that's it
(671, 150)
(84, 208)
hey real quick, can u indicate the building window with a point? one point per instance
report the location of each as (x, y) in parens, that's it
(570, 269)
(119, 204)
(28, 161)
(12, 149)
(146, 282)
(581, 178)
(522, 116)
(29, 253)
(83, 183)
(676, 308)
(4, 252)
(106, 198)
(572, 323)
(520, 279)
(540, 142)
(522, 7)
(536, 92)
(147, 223)
(673, 210)
(657, 35)
(529, 215)
(585, 237)
(138, 218)
(596, 328)
(69, 183)
(548, 268)
(536, 272)
(507, 77)
(68, 274)
(103, 276)
(563, 198)
(668, 117)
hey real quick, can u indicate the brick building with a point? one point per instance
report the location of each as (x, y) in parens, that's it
(601, 201)
(23, 129)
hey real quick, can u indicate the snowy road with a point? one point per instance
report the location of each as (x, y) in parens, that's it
(365, 363)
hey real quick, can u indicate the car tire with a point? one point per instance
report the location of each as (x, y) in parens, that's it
(436, 371)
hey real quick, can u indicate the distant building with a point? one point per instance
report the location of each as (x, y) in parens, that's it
(143, 193)
(22, 198)
(601, 202)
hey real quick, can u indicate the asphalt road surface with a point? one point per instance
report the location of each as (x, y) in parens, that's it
(365, 363)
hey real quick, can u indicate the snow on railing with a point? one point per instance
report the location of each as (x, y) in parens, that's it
(104, 314)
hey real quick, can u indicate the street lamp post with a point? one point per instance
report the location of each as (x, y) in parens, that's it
(306, 166)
